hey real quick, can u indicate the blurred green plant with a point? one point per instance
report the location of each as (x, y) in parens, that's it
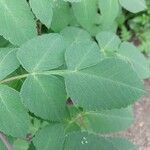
(137, 29)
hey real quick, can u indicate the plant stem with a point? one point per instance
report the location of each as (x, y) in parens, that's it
(51, 72)
(14, 78)
(5, 141)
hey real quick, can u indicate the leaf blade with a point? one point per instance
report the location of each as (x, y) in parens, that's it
(109, 87)
(45, 96)
(42, 53)
(84, 141)
(54, 137)
(109, 11)
(108, 41)
(43, 11)
(108, 121)
(132, 54)
(13, 115)
(75, 35)
(134, 6)
(17, 23)
(8, 62)
(84, 54)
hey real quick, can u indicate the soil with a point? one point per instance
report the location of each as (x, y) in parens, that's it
(139, 132)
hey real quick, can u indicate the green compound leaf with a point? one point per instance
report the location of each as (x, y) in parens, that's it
(130, 53)
(13, 116)
(85, 141)
(86, 12)
(50, 138)
(74, 35)
(42, 53)
(45, 96)
(108, 121)
(69, 107)
(133, 6)
(84, 55)
(17, 23)
(8, 62)
(61, 15)
(112, 83)
(20, 145)
(42, 10)
(109, 11)
(55, 138)
(91, 83)
(108, 41)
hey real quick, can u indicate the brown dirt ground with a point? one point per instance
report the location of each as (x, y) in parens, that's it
(139, 132)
